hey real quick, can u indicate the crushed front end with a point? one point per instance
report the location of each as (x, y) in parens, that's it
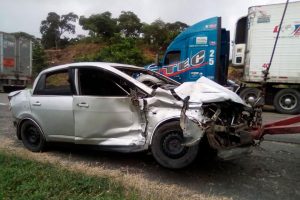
(225, 122)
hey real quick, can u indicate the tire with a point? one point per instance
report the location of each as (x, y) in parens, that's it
(167, 150)
(32, 137)
(287, 101)
(249, 92)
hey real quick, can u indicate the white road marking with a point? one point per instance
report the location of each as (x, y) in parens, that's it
(3, 104)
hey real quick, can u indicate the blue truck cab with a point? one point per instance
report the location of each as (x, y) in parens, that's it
(200, 50)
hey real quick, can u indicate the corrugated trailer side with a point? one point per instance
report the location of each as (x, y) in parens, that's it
(263, 22)
(255, 37)
(16, 62)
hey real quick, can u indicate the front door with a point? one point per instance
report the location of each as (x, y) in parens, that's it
(103, 110)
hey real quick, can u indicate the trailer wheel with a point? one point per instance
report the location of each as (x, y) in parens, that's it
(287, 101)
(248, 93)
(167, 149)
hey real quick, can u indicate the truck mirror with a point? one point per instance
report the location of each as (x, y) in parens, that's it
(157, 62)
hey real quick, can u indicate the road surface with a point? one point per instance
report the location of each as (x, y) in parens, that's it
(272, 171)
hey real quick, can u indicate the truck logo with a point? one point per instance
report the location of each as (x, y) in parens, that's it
(288, 30)
(198, 58)
(174, 69)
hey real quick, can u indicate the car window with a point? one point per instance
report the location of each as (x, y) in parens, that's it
(98, 82)
(56, 83)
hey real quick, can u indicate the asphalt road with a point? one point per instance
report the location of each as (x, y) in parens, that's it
(272, 171)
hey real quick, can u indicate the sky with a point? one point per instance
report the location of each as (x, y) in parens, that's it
(26, 15)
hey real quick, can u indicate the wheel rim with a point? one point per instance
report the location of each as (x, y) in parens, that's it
(171, 145)
(32, 136)
(250, 95)
(288, 101)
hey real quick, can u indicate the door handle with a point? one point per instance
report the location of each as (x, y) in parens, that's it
(37, 103)
(83, 104)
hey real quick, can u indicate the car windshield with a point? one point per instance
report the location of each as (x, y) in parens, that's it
(149, 78)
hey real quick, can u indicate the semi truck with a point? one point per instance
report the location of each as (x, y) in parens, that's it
(203, 50)
(15, 62)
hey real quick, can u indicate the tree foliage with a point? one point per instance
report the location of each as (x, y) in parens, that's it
(54, 26)
(120, 50)
(102, 25)
(160, 34)
(129, 24)
(38, 58)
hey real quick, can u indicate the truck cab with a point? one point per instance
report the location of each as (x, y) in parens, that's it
(200, 50)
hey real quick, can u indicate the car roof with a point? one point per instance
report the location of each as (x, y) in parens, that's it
(104, 65)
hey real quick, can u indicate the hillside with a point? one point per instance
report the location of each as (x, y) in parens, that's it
(71, 52)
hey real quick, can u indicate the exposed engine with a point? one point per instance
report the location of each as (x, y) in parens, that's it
(230, 124)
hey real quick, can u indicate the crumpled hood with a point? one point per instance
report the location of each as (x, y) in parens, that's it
(205, 90)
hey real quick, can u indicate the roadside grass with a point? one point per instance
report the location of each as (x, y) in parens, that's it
(26, 179)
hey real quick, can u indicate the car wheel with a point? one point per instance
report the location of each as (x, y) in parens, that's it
(167, 149)
(249, 94)
(32, 137)
(287, 101)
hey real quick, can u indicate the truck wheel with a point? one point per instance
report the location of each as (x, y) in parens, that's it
(32, 137)
(167, 149)
(287, 101)
(248, 93)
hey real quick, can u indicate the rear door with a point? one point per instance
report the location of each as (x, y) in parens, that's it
(104, 112)
(52, 105)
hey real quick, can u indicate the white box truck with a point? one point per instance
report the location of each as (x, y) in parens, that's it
(254, 40)
(15, 62)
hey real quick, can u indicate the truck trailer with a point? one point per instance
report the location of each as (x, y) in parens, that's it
(203, 50)
(254, 40)
(15, 62)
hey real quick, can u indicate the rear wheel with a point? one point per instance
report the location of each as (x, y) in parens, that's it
(32, 137)
(167, 147)
(287, 101)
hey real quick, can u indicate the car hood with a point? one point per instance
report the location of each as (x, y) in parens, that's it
(205, 90)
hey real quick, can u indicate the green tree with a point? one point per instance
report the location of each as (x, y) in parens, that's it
(55, 26)
(160, 34)
(174, 29)
(99, 25)
(155, 34)
(129, 24)
(38, 58)
(119, 50)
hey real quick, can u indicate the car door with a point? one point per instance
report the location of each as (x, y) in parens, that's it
(104, 112)
(52, 105)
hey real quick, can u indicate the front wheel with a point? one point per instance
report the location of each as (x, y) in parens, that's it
(167, 147)
(32, 137)
(287, 101)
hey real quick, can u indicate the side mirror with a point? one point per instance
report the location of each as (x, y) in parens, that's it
(157, 62)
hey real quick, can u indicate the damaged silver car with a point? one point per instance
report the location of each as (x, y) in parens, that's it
(126, 108)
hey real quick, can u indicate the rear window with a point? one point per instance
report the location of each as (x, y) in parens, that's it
(54, 83)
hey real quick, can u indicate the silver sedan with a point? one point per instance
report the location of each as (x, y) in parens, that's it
(129, 109)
